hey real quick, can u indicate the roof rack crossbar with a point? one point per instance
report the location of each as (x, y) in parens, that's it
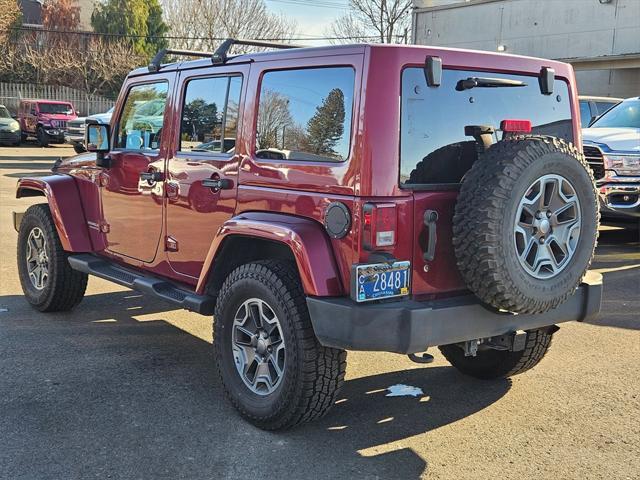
(220, 56)
(156, 62)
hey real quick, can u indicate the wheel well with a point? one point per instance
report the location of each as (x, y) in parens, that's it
(238, 250)
(30, 192)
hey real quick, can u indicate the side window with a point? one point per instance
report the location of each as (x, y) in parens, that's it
(142, 118)
(210, 115)
(603, 107)
(305, 114)
(585, 113)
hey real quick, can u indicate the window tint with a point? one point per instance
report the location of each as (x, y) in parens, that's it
(306, 114)
(585, 113)
(433, 145)
(210, 114)
(140, 125)
(604, 106)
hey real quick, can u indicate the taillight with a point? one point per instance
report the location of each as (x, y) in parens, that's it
(379, 225)
(516, 126)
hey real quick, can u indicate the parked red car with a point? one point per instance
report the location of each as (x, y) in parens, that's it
(45, 119)
(388, 198)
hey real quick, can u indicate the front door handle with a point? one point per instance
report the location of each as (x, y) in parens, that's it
(218, 183)
(152, 177)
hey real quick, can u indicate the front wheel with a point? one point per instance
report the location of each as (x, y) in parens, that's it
(270, 363)
(490, 364)
(48, 281)
(42, 137)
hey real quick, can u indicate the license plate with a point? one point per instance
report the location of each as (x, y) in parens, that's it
(381, 280)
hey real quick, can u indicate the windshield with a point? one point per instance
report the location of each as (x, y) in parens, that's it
(623, 115)
(56, 108)
(4, 113)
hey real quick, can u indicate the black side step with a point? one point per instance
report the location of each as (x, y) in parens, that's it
(163, 289)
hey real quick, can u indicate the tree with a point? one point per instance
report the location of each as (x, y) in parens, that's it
(60, 15)
(382, 21)
(326, 127)
(9, 17)
(206, 22)
(274, 118)
(139, 20)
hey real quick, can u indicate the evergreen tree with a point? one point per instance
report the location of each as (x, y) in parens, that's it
(326, 127)
(141, 19)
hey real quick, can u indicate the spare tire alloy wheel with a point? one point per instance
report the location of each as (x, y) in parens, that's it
(258, 346)
(526, 223)
(547, 227)
(37, 258)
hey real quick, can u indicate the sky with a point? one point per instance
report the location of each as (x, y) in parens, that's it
(312, 16)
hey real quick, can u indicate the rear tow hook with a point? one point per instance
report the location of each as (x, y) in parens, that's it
(423, 358)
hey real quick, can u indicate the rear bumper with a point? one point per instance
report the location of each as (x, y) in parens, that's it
(410, 327)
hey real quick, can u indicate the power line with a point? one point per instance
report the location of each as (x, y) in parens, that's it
(319, 4)
(170, 37)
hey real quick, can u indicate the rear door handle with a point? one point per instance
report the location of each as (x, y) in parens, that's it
(430, 219)
(218, 183)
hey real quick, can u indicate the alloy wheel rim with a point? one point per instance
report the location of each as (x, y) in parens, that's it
(547, 226)
(258, 346)
(37, 258)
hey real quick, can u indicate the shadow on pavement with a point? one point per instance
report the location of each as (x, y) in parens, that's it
(618, 259)
(136, 398)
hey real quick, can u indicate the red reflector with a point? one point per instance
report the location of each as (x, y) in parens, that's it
(516, 126)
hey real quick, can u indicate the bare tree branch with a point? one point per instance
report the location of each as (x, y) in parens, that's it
(381, 21)
(215, 19)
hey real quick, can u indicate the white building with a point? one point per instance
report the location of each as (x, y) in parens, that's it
(601, 38)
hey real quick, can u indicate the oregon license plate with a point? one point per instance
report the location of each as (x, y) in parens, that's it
(381, 280)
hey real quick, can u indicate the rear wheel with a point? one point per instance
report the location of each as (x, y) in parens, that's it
(48, 281)
(272, 367)
(491, 364)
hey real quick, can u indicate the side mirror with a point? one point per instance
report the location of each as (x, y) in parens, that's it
(97, 137)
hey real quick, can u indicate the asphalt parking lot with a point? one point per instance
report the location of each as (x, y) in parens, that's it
(124, 387)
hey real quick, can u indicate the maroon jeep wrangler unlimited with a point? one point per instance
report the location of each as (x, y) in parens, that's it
(316, 200)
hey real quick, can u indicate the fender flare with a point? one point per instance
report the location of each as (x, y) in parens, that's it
(306, 239)
(65, 204)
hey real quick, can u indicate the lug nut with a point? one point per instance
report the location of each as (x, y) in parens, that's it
(541, 240)
(548, 214)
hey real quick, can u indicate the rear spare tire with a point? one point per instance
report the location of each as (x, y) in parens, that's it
(525, 223)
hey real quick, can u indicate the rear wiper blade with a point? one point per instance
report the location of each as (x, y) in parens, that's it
(473, 82)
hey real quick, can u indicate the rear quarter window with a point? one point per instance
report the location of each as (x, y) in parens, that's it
(305, 114)
(433, 145)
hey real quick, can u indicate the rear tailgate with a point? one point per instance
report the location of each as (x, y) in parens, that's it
(435, 152)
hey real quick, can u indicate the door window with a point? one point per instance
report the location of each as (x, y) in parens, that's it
(210, 115)
(142, 118)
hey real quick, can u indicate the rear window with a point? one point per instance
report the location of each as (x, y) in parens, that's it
(433, 145)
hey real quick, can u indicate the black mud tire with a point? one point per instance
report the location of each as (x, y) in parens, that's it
(42, 137)
(65, 287)
(313, 374)
(493, 364)
(483, 223)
